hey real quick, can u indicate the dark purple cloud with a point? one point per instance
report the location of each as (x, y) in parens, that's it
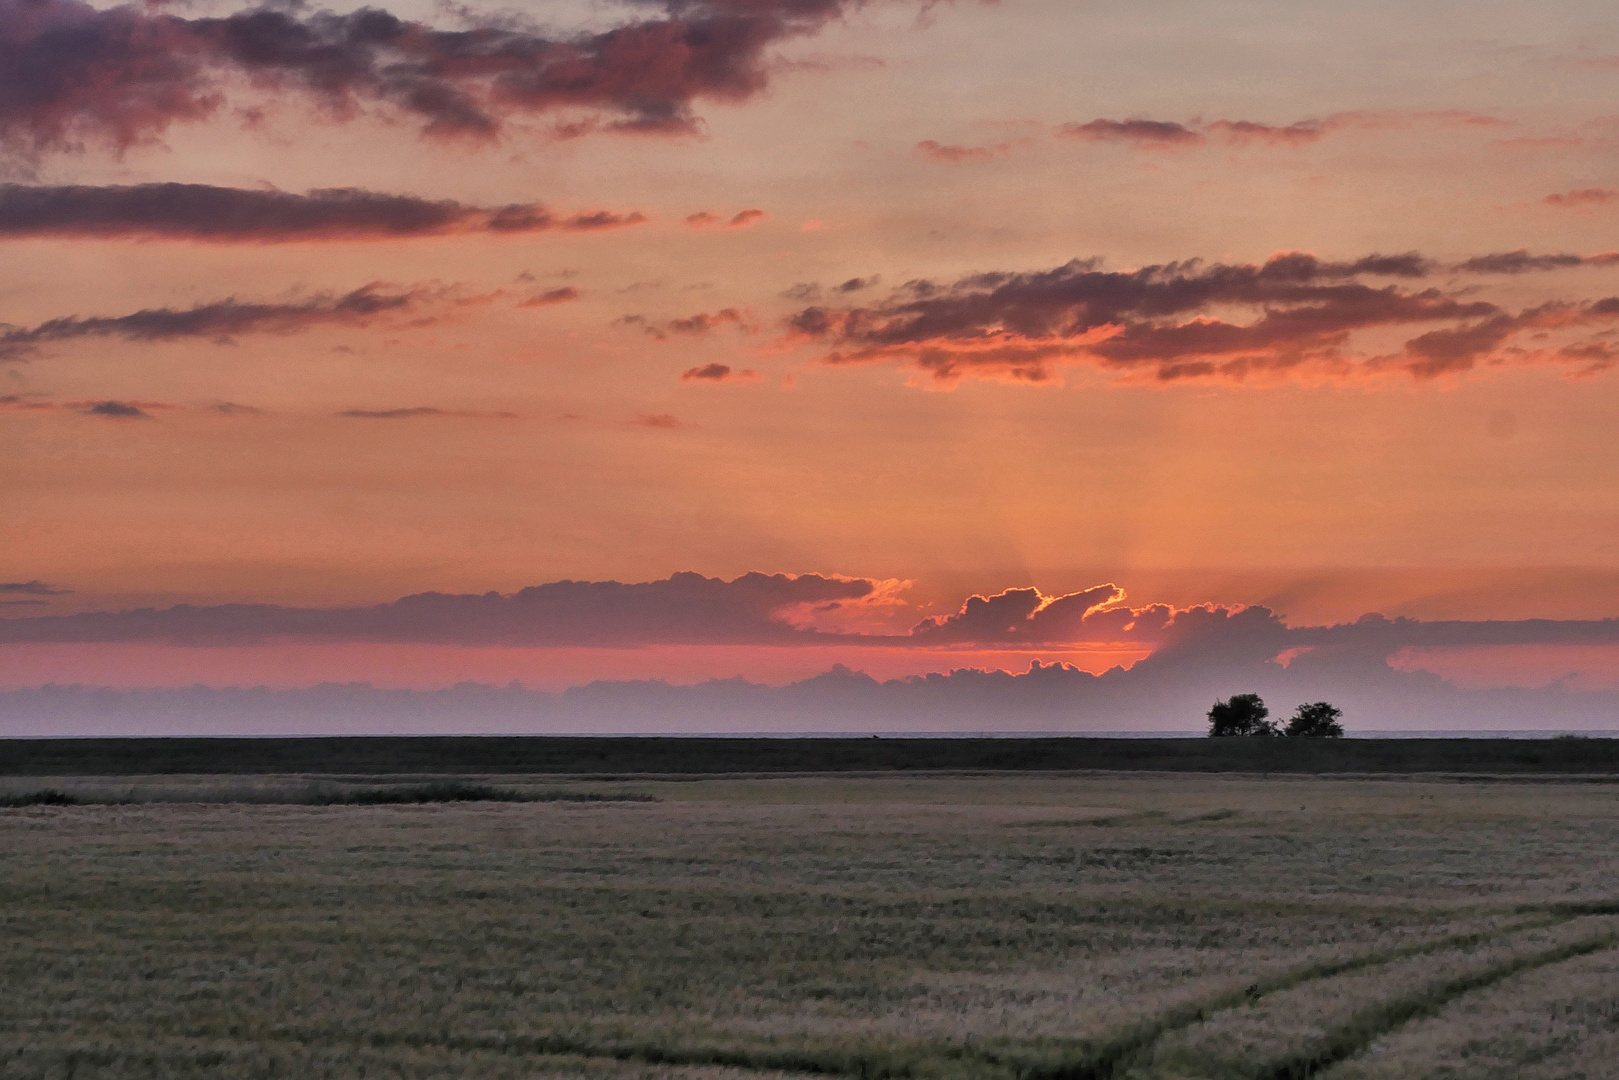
(236, 215)
(30, 588)
(116, 410)
(222, 319)
(1142, 132)
(1181, 320)
(72, 74)
(718, 373)
(686, 607)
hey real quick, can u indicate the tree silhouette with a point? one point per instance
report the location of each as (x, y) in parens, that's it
(1243, 714)
(1316, 720)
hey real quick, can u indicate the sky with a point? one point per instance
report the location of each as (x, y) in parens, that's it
(1301, 307)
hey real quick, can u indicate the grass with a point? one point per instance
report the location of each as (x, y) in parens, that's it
(913, 927)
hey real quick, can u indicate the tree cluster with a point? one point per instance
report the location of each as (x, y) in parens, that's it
(1247, 715)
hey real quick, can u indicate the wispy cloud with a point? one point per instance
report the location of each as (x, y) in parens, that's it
(707, 219)
(423, 411)
(1169, 133)
(1582, 197)
(703, 322)
(550, 297)
(955, 154)
(222, 320)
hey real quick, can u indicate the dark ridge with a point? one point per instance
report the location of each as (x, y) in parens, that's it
(1595, 760)
(450, 791)
(43, 797)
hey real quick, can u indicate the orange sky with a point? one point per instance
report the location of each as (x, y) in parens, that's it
(521, 416)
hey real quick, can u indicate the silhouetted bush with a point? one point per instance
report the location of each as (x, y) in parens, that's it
(45, 797)
(1316, 720)
(1242, 714)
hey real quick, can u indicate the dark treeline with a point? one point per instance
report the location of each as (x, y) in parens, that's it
(598, 756)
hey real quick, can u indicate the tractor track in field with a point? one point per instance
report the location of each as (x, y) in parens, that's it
(1108, 1059)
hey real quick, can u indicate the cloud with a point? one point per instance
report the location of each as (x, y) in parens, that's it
(955, 155)
(1519, 262)
(1164, 133)
(718, 373)
(697, 325)
(231, 408)
(19, 403)
(30, 588)
(1582, 197)
(809, 291)
(423, 411)
(1246, 131)
(201, 212)
(665, 421)
(553, 296)
(222, 320)
(1023, 615)
(116, 410)
(707, 219)
(599, 220)
(72, 74)
(1141, 132)
(1177, 321)
(685, 607)
(704, 322)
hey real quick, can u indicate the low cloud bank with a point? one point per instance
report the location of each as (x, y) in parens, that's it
(1198, 654)
(777, 609)
(1162, 694)
(683, 608)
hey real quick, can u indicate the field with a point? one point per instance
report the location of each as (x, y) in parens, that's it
(1042, 926)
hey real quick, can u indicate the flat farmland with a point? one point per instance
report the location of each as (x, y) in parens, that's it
(1038, 926)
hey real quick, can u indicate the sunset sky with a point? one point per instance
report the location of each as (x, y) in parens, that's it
(1304, 305)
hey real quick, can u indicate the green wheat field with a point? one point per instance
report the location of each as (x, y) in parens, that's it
(1040, 926)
